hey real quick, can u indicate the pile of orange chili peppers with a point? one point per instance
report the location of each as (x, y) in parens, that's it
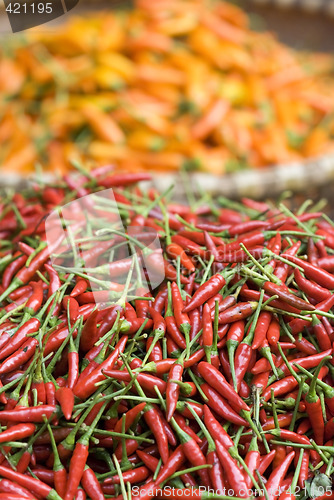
(167, 85)
(216, 384)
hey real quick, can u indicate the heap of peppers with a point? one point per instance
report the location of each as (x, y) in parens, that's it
(165, 85)
(216, 384)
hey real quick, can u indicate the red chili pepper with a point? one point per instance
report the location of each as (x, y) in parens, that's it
(196, 322)
(80, 494)
(273, 333)
(126, 179)
(71, 307)
(173, 388)
(27, 273)
(172, 465)
(73, 365)
(21, 356)
(89, 333)
(213, 227)
(218, 382)
(182, 319)
(205, 292)
(30, 414)
(235, 476)
(320, 276)
(99, 296)
(230, 255)
(181, 422)
(146, 381)
(130, 446)
(150, 461)
(312, 252)
(240, 311)
(264, 365)
(283, 292)
(242, 359)
(91, 485)
(30, 483)
(277, 303)
(17, 263)
(211, 247)
(35, 301)
(57, 338)
(50, 393)
(23, 292)
(245, 227)
(154, 262)
(282, 269)
(130, 418)
(159, 323)
(13, 490)
(15, 342)
(172, 327)
(188, 245)
(275, 245)
(249, 239)
(130, 313)
(17, 432)
(174, 250)
(304, 346)
(79, 288)
(216, 472)
(142, 306)
(229, 216)
(221, 406)
(321, 334)
(313, 407)
(212, 302)
(276, 477)
(172, 348)
(65, 398)
(168, 430)
(297, 325)
(59, 471)
(155, 351)
(304, 469)
(86, 386)
(260, 381)
(290, 436)
(79, 459)
(109, 319)
(280, 387)
(207, 335)
(327, 263)
(137, 475)
(311, 289)
(193, 453)
(154, 422)
(198, 237)
(160, 299)
(261, 329)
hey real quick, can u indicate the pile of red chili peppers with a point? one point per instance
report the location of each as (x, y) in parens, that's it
(217, 384)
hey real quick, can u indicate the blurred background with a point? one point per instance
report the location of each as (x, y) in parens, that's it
(236, 96)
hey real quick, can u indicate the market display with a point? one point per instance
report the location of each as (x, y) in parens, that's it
(217, 382)
(169, 85)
